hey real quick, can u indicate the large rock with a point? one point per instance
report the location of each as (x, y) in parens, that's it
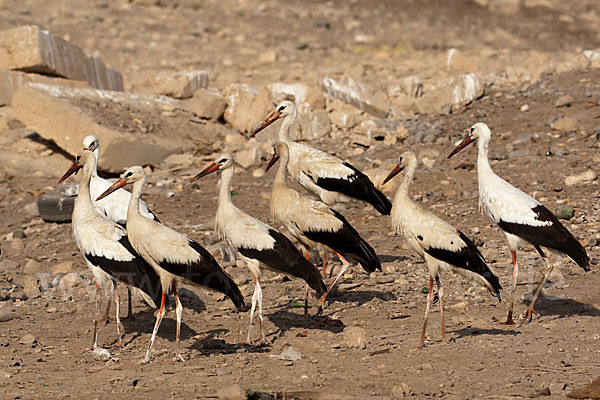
(353, 93)
(206, 103)
(10, 81)
(458, 91)
(180, 85)
(31, 49)
(66, 116)
(246, 106)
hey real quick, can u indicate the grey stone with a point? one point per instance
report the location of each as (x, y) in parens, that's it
(232, 392)
(206, 103)
(290, 354)
(355, 337)
(27, 339)
(350, 93)
(180, 85)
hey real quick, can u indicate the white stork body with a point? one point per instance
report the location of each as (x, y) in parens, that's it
(114, 207)
(315, 224)
(440, 244)
(521, 217)
(330, 178)
(256, 243)
(106, 249)
(176, 258)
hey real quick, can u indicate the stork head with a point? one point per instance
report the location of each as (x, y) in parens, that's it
(91, 143)
(82, 158)
(280, 149)
(406, 158)
(478, 131)
(224, 161)
(282, 110)
(131, 175)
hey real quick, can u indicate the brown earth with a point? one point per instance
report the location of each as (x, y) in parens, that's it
(554, 354)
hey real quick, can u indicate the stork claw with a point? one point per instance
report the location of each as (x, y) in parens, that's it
(509, 319)
(529, 315)
(178, 357)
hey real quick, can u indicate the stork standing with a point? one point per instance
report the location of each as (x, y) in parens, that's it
(106, 249)
(330, 178)
(315, 224)
(256, 243)
(113, 208)
(522, 218)
(441, 245)
(176, 258)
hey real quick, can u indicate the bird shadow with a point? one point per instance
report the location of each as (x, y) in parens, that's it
(286, 320)
(387, 258)
(474, 331)
(360, 296)
(143, 322)
(212, 343)
(549, 305)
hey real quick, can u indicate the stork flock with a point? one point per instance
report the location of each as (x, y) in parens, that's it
(121, 240)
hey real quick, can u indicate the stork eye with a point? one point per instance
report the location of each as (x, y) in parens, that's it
(472, 129)
(128, 174)
(281, 108)
(78, 158)
(222, 161)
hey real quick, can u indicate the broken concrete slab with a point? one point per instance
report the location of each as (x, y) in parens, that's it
(79, 112)
(10, 81)
(31, 49)
(458, 91)
(206, 103)
(180, 85)
(352, 93)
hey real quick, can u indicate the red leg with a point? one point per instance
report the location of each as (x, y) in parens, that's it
(324, 271)
(429, 300)
(345, 265)
(306, 301)
(530, 311)
(178, 312)
(118, 306)
(159, 317)
(511, 302)
(441, 294)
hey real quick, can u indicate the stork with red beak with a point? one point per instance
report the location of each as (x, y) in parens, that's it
(176, 258)
(522, 218)
(330, 178)
(257, 244)
(106, 249)
(442, 246)
(315, 224)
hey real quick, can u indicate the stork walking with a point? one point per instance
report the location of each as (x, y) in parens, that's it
(315, 224)
(442, 246)
(106, 249)
(113, 208)
(176, 258)
(331, 179)
(522, 218)
(258, 244)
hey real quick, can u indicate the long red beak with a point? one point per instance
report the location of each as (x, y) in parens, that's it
(73, 170)
(273, 161)
(208, 170)
(117, 185)
(274, 116)
(466, 141)
(392, 174)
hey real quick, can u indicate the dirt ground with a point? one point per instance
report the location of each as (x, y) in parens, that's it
(554, 354)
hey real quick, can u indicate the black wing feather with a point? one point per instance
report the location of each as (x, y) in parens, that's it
(137, 272)
(554, 236)
(286, 258)
(206, 272)
(357, 186)
(348, 242)
(469, 258)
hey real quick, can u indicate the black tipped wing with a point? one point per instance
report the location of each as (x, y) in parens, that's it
(554, 236)
(357, 186)
(286, 258)
(136, 273)
(470, 258)
(206, 272)
(348, 242)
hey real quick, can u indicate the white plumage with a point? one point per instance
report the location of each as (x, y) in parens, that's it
(330, 178)
(522, 218)
(102, 244)
(175, 258)
(114, 207)
(436, 241)
(255, 242)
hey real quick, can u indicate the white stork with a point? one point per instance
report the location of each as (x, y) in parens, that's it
(106, 249)
(522, 218)
(330, 178)
(256, 243)
(176, 258)
(113, 208)
(315, 224)
(441, 245)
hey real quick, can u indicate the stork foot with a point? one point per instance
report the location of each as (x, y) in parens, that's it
(529, 315)
(262, 342)
(509, 319)
(178, 358)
